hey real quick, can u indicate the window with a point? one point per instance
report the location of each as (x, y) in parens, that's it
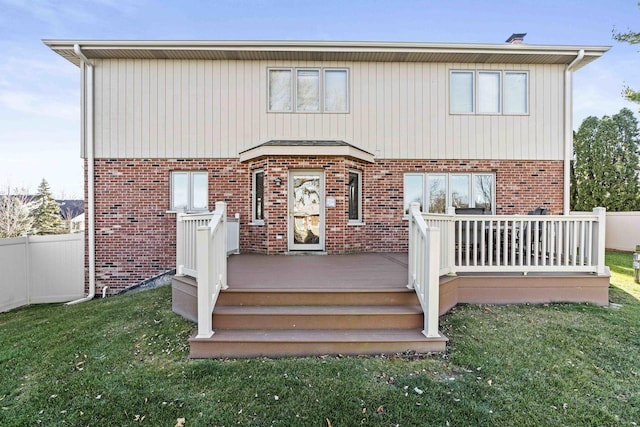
(488, 92)
(280, 90)
(355, 191)
(313, 89)
(335, 91)
(307, 90)
(515, 92)
(462, 190)
(258, 196)
(461, 92)
(189, 191)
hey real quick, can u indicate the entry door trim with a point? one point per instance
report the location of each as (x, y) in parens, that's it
(293, 246)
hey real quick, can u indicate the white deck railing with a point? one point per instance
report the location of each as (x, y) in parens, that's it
(521, 243)
(203, 242)
(211, 266)
(186, 230)
(424, 258)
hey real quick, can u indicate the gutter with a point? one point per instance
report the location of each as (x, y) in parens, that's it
(568, 128)
(87, 68)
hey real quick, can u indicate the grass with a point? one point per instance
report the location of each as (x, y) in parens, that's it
(123, 361)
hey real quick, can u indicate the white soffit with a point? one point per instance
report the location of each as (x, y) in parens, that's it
(326, 51)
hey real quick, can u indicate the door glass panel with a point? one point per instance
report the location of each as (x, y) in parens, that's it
(306, 209)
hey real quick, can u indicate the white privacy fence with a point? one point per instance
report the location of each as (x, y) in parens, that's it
(521, 243)
(41, 269)
(623, 230)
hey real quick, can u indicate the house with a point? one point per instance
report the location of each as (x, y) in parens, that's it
(320, 147)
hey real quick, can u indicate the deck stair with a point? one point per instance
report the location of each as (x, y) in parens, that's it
(296, 322)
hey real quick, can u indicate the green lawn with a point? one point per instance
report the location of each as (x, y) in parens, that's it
(123, 361)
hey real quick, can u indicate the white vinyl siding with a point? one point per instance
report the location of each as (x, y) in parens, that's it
(215, 109)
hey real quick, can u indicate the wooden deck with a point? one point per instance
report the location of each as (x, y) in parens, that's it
(350, 304)
(357, 271)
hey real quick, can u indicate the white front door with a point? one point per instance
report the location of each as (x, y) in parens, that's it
(306, 210)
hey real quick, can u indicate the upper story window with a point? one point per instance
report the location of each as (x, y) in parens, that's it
(489, 92)
(189, 191)
(459, 190)
(313, 89)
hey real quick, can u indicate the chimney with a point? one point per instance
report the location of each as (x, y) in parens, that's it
(516, 38)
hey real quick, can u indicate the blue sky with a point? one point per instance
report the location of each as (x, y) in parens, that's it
(39, 91)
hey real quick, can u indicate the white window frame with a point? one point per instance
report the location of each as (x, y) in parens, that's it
(473, 91)
(254, 219)
(448, 176)
(324, 95)
(527, 91)
(502, 95)
(190, 191)
(359, 219)
(293, 90)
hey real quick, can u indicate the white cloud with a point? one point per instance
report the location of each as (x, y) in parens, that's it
(33, 104)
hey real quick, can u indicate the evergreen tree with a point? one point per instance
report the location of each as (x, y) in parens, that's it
(630, 37)
(15, 215)
(46, 215)
(606, 163)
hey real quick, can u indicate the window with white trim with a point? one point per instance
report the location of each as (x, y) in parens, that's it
(189, 191)
(459, 190)
(313, 89)
(488, 92)
(257, 191)
(355, 196)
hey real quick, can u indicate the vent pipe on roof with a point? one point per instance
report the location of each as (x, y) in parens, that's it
(516, 38)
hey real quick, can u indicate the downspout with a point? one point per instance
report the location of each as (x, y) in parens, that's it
(568, 128)
(86, 66)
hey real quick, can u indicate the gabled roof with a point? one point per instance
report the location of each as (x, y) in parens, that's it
(326, 51)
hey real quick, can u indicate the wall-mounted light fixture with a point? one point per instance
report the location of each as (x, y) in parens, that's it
(278, 181)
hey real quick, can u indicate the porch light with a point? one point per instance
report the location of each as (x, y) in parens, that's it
(277, 181)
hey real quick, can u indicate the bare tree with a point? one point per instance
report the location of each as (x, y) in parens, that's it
(15, 214)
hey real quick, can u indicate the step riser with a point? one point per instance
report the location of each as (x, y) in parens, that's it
(286, 349)
(266, 298)
(333, 322)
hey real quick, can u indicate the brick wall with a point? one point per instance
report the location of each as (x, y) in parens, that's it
(135, 233)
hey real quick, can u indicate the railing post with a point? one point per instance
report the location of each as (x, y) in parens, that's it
(205, 327)
(599, 239)
(451, 243)
(180, 244)
(431, 283)
(221, 208)
(413, 209)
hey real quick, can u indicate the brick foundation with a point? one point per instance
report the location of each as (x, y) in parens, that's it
(135, 233)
